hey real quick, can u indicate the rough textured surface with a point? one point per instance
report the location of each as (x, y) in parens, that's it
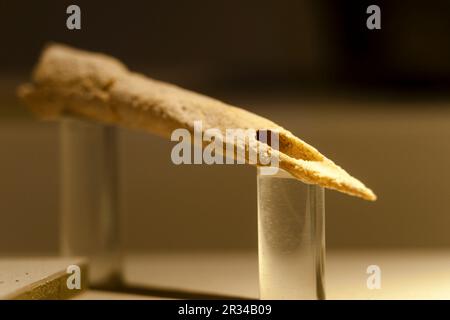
(68, 81)
(39, 278)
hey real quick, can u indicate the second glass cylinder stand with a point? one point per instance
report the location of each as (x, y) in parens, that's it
(89, 209)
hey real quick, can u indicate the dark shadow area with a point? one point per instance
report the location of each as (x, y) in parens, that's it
(162, 292)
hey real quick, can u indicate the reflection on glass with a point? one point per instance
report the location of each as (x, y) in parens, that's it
(291, 238)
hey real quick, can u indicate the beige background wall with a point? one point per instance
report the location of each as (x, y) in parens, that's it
(401, 150)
